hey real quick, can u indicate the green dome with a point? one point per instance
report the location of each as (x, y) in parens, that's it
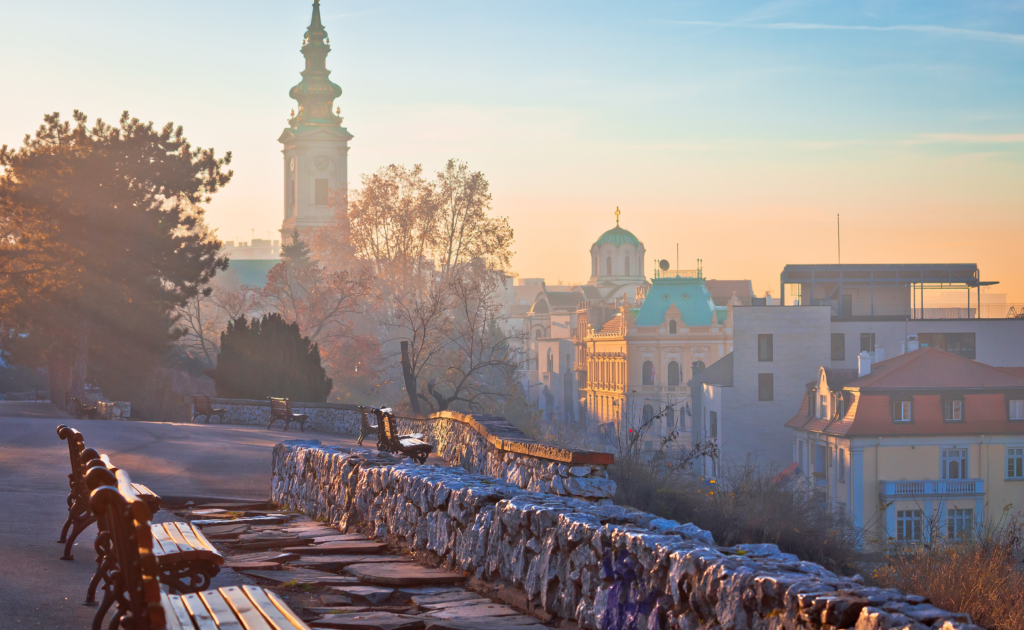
(618, 236)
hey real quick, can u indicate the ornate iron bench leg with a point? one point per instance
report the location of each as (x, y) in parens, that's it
(105, 565)
(80, 525)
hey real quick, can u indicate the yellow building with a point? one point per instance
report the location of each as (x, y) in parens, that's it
(638, 363)
(927, 443)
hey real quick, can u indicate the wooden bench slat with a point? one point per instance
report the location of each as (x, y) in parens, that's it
(201, 615)
(269, 602)
(185, 550)
(221, 611)
(142, 491)
(198, 533)
(205, 553)
(175, 612)
(245, 609)
(166, 542)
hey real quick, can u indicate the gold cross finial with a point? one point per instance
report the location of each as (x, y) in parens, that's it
(617, 213)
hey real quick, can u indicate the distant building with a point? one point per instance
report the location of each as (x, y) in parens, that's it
(777, 350)
(257, 249)
(925, 443)
(315, 145)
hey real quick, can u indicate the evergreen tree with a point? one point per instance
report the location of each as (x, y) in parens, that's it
(269, 357)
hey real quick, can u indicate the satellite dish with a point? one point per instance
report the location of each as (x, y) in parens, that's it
(663, 264)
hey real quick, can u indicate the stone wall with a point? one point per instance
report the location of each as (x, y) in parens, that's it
(601, 565)
(482, 444)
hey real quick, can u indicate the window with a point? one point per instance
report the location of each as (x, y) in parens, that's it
(764, 348)
(673, 374)
(765, 387)
(291, 193)
(608, 266)
(551, 361)
(672, 327)
(648, 413)
(842, 465)
(1014, 462)
(822, 405)
(593, 271)
(961, 344)
(800, 453)
(959, 523)
(838, 347)
(647, 373)
(819, 461)
(909, 525)
(670, 418)
(1016, 409)
(867, 342)
(902, 411)
(627, 265)
(953, 409)
(320, 192)
(713, 425)
(954, 463)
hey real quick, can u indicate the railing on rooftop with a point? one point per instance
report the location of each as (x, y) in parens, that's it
(927, 487)
(937, 310)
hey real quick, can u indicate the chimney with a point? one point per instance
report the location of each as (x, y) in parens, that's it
(912, 343)
(879, 354)
(863, 364)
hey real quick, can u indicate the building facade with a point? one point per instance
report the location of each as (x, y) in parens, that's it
(925, 444)
(315, 145)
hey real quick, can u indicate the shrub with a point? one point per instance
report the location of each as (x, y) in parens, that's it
(269, 357)
(981, 575)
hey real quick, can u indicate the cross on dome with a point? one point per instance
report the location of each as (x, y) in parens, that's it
(617, 213)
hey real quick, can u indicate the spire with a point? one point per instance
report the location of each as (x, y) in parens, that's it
(617, 213)
(316, 92)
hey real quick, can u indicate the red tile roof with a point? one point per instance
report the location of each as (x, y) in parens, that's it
(930, 368)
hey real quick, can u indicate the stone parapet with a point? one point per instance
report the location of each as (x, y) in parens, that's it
(601, 565)
(488, 445)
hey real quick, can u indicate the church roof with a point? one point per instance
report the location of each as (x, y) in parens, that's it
(618, 236)
(689, 295)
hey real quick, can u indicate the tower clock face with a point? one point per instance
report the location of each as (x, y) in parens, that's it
(291, 164)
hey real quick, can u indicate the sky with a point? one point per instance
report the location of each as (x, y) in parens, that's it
(737, 130)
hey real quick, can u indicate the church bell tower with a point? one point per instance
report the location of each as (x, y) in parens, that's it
(315, 144)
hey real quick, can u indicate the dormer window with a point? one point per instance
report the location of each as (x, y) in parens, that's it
(902, 409)
(672, 328)
(822, 406)
(953, 408)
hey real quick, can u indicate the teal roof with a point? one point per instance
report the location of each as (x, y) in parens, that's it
(689, 295)
(249, 273)
(618, 236)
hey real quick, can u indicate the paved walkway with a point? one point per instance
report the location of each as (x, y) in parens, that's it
(174, 460)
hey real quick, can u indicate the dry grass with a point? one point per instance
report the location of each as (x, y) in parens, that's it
(982, 576)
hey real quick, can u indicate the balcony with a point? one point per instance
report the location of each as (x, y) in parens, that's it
(931, 488)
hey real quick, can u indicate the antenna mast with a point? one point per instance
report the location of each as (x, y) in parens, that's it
(839, 240)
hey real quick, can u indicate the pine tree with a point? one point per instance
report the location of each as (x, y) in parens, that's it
(269, 357)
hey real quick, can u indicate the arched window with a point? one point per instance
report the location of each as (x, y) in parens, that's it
(648, 414)
(627, 265)
(594, 271)
(551, 361)
(648, 373)
(608, 269)
(670, 418)
(673, 374)
(672, 327)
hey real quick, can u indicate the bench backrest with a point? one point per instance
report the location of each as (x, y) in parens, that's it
(79, 456)
(390, 431)
(202, 404)
(127, 518)
(280, 407)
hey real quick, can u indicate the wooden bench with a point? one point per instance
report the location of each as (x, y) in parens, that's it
(281, 409)
(203, 406)
(79, 515)
(389, 441)
(141, 603)
(365, 428)
(83, 410)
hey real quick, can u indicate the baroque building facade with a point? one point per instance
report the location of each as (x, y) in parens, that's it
(315, 145)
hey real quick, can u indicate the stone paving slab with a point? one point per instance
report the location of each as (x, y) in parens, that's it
(302, 576)
(336, 563)
(353, 547)
(263, 556)
(397, 574)
(438, 598)
(473, 612)
(371, 594)
(523, 622)
(370, 621)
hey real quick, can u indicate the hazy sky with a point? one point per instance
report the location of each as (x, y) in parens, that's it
(736, 129)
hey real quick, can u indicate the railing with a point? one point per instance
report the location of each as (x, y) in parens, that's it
(936, 310)
(924, 487)
(319, 211)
